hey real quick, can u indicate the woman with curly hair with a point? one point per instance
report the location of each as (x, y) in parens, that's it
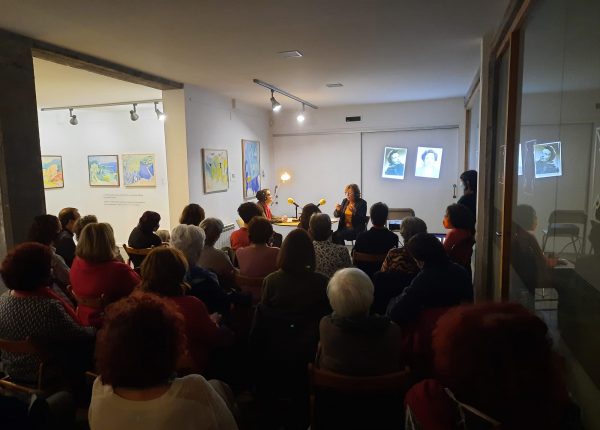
(137, 352)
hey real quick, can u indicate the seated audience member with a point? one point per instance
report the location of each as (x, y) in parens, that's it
(192, 214)
(527, 257)
(211, 258)
(398, 268)
(65, 246)
(144, 236)
(307, 211)
(495, 368)
(378, 239)
(163, 271)
(82, 222)
(45, 230)
(165, 236)
(258, 259)
(440, 283)
(204, 284)
(469, 198)
(264, 201)
(30, 310)
(246, 211)
(137, 352)
(330, 256)
(96, 274)
(352, 341)
(460, 238)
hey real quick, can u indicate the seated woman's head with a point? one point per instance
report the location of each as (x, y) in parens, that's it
(189, 239)
(525, 217)
(96, 243)
(249, 210)
(264, 195)
(192, 214)
(27, 267)
(352, 192)
(498, 358)
(350, 292)
(163, 271)
(379, 214)
(213, 228)
(411, 225)
(307, 212)
(297, 254)
(44, 229)
(320, 227)
(140, 342)
(82, 222)
(260, 230)
(459, 216)
(149, 221)
(165, 235)
(426, 249)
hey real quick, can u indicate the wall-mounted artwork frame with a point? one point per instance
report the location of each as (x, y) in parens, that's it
(103, 170)
(215, 165)
(139, 170)
(250, 167)
(52, 172)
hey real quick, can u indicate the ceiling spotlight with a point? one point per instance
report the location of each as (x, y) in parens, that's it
(274, 103)
(73, 120)
(161, 116)
(133, 113)
(300, 117)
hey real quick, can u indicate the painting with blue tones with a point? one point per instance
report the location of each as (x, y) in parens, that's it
(138, 170)
(103, 170)
(251, 167)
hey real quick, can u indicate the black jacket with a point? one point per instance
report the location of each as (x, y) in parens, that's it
(65, 246)
(359, 218)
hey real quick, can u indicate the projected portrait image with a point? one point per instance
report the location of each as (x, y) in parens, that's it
(429, 161)
(547, 159)
(394, 161)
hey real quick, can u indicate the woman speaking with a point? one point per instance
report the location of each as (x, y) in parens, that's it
(352, 214)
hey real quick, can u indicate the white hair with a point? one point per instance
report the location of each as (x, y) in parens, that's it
(213, 227)
(189, 239)
(350, 292)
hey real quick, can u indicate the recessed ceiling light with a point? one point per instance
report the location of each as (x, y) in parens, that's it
(290, 54)
(334, 85)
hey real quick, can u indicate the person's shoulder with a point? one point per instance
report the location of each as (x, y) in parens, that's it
(191, 387)
(319, 278)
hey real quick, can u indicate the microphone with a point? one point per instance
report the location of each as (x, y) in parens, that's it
(291, 201)
(321, 202)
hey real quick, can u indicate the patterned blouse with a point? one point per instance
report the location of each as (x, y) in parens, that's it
(399, 260)
(331, 257)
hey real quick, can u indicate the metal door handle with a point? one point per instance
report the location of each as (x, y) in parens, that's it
(499, 234)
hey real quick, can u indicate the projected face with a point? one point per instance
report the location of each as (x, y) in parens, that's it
(429, 160)
(395, 158)
(548, 159)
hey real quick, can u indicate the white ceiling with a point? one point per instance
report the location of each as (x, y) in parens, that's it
(381, 50)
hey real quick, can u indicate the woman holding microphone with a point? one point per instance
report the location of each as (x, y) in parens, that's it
(352, 214)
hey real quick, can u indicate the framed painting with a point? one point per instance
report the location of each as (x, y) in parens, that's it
(103, 170)
(251, 167)
(52, 171)
(138, 170)
(216, 170)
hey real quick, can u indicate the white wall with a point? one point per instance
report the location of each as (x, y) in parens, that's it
(325, 153)
(213, 122)
(105, 132)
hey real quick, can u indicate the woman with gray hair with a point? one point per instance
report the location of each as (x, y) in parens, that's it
(352, 341)
(203, 283)
(212, 258)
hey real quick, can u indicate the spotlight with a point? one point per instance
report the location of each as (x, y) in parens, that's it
(274, 103)
(133, 113)
(73, 120)
(161, 116)
(300, 117)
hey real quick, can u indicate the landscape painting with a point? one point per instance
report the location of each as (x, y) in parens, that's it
(103, 170)
(138, 170)
(216, 170)
(52, 171)
(251, 167)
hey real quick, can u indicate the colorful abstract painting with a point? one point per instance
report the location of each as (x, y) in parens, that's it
(103, 170)
(138, 170)
(52, 171)
(251, 167)
(216, 170)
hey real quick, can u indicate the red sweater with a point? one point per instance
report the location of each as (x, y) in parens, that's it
(239, 239)
(459, 246)
(112, 279)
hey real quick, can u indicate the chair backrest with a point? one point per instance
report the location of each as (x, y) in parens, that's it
(250, 285)
(18, 346)
(400, 213)
(22, 347)
(567, 216)
(381, 384)
(361, 257)
(142, 252)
